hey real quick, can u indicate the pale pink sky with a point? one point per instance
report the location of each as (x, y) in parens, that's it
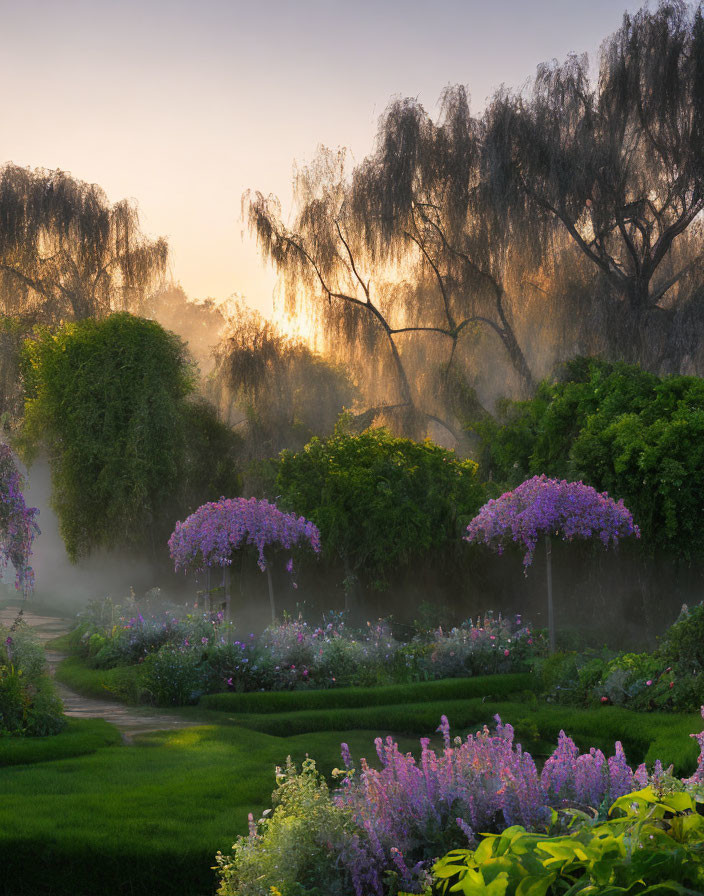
(184, 105)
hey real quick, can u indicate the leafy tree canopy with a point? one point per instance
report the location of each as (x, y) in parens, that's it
(379, 500)
(622, 430)
(108, 400)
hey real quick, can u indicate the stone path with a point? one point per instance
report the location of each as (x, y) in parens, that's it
(130, 720)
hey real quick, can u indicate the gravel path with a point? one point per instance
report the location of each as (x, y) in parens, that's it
(131, 720)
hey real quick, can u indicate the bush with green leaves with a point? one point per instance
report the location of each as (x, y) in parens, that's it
(174, 676)
(183, 656)
(670, 678)
(29, 704)
(305, 846)
(379, 500)
(651, 843)
(109, 401)
(620, 429)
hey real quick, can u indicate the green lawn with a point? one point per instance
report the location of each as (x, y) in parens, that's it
(144, 819)
(82, 814)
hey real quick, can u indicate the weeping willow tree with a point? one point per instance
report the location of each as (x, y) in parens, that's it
(616, 168)
(274, 387)
(404, 251)
(66, 253)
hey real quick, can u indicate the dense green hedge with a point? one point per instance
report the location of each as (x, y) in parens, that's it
(489, 686)
(620, 429)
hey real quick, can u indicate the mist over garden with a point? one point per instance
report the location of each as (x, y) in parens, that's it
(421, 552)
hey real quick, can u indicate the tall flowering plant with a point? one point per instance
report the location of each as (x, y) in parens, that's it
(210, 536)
(547, 507)
(18, 527)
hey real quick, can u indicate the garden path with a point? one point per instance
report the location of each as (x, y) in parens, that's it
(130, 720)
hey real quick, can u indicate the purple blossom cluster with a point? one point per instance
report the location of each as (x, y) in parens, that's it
(210, 535)
(18, 527)
(698, 776)
(542, 506)
(408, 809)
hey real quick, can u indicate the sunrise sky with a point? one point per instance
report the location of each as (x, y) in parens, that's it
(184, 105)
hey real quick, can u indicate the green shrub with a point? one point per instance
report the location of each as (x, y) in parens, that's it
(684, 641)
(378, 500)
(14, 701)
(45, 711)
(29, 704)
(173, 676)
(650, 844)
(292, 852)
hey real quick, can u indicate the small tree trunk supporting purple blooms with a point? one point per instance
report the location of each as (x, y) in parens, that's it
(271, 593)
(551, 609)
(542, 506)
(226, 589)
(210, 536)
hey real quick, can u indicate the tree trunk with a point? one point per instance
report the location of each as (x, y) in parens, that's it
(551, 613)
(271, 593)
(226, 585)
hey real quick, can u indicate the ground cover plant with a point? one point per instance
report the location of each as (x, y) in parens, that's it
(385, 826)
(669, 678)
(169, 659)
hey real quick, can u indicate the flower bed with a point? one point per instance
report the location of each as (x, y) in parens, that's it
(382, 831)
(670, 678)
(181, 658)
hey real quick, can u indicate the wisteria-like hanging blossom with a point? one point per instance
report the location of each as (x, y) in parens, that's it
(542, 506)
(210, 535)
(18, 527)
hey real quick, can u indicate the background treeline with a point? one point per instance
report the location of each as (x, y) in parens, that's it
(457, 283)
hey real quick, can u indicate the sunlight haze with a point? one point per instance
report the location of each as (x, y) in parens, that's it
(182, 106)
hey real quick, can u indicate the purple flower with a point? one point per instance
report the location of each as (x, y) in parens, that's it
(209, 536)
(542, 506)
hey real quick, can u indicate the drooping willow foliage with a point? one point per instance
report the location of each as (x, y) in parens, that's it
(66, 253)
(565, 219)
(616, 168)
(397, 258)
(282, 392)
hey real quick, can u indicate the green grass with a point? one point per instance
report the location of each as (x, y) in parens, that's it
(80, 737)
(491, 687)
(62, 642)
(120, 682)
(146, 819)
(83, 814)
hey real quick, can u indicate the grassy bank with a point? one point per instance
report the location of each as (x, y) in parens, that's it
(148, 819)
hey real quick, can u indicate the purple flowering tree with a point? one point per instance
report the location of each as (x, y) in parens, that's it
(209, 537)
(542, 507)
(18, 527)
